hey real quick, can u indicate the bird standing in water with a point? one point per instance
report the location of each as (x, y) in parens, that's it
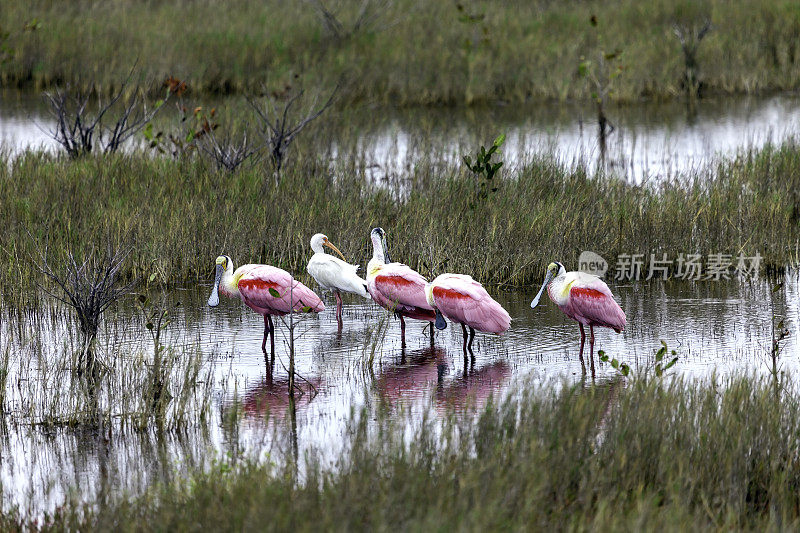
(334, 274)
(464, 301)
(395, 286)
(265, 289)
(584, 298)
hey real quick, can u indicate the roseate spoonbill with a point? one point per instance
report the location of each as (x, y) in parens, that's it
(395, 286)
(584, 298)
(464, 301)
(265, 289)
(334, 274)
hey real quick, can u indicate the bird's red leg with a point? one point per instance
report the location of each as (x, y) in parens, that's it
(402, 330)
(338, 306)
(464, 331)
(591, 347)
(580, 353)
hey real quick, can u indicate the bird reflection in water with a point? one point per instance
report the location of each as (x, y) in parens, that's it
(270, 398)
(473, 388)
(422, 373)
(418, 373)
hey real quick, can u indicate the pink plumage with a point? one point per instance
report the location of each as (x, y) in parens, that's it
(591, 303)
(268, 291)
(584, 298)
(399, 288)
(254, 286)
(463, 300)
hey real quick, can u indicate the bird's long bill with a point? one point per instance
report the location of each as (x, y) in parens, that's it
(213, 300)
(547, 279)
(335, 249)
(440, 322)
(385, 250)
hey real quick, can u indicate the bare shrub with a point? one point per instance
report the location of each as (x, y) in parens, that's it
(365, 18)
(80, 131)
(227, 152)
(691, 22)
(89, 286)
(280, 123)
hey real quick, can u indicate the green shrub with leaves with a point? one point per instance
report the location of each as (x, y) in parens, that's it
(484, 169)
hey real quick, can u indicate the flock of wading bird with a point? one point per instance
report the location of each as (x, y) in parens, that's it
(268, 291)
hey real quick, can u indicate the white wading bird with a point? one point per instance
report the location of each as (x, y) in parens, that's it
(334, 274)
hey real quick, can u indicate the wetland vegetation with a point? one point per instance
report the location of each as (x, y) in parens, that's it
(409, 52)
(256, 148)
(647, 453)
(181, 213)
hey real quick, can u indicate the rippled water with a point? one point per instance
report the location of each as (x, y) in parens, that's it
(652, 141)
(722, 327)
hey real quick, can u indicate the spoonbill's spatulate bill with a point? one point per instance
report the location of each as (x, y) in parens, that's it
(265, 289)
(334, 274)
(464, 301)
(396, 287)
(584, 298)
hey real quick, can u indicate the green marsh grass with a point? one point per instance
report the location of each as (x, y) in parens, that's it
(179, 215)
(645, 454)
(414, 54)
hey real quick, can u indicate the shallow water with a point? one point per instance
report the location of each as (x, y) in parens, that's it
(715, 327)
(651, 141)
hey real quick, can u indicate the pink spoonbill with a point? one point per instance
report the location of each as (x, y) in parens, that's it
(265, 289)
(584, 298)
(395, 286)
(464, 301)
(334, 274)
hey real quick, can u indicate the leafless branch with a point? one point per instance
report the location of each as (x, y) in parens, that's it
(227, 153)
(279, 128)
(80, 133)
(365, 19)
(88, 286)
(329, 20)
(690, 34)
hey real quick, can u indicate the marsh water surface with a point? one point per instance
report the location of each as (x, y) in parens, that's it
(715, 327)
(650, 142)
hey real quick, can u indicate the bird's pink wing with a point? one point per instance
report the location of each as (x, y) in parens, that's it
(594, 302)
(464, 300)
(399, 286)
(255, 285)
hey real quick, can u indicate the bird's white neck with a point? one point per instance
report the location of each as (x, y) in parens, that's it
(377, 250)
(374, 266)
(227, 284)
(558, 289)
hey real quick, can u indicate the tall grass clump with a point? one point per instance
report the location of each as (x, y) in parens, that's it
(646, 455)
(183, 213)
